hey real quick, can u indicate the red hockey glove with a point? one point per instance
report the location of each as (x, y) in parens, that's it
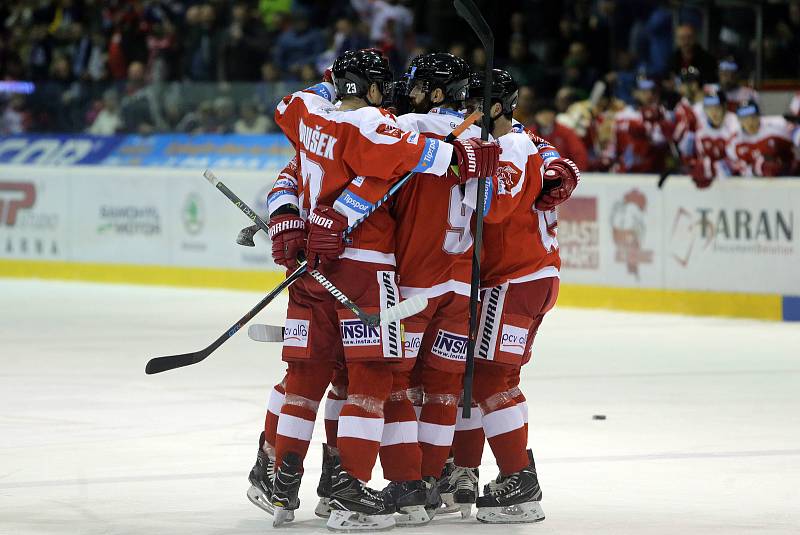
(325, 235)
(560, 179)
(699, 173)
(288, 235)
(653, 113)
(475, 158)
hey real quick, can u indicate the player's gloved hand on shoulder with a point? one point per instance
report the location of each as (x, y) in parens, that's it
(288, 235)
(560, 179)
(475, 158)
(325, 235)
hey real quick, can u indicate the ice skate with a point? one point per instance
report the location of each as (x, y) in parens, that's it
(500, 480)
(261, 479)
(409, 499)
(465, 489)
(446, 489)
(515, 501)
(286, 489)
(356, 507)
(330, 464)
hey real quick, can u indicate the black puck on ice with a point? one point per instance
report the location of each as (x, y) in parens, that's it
(599, 417)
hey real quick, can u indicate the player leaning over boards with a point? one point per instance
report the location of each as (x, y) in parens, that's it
(519, 277)
(336, 147)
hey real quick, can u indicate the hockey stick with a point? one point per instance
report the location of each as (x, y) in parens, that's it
(470, 13)
(161, 364)
(669, 169)
(404, 309)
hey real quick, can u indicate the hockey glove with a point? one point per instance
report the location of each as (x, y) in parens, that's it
(325, 235)
(560, 179)
(475, 158)
(288, 234)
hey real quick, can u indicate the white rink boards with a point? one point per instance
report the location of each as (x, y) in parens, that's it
(702, 432)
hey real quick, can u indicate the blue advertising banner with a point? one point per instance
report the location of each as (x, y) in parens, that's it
(204, 150)
(56, 149)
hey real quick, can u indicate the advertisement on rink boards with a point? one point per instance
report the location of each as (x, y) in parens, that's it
(33, 222)
(610, 232)
(130, 216)
(736, 236)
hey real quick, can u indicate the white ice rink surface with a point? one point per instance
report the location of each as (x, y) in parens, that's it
(702, 432)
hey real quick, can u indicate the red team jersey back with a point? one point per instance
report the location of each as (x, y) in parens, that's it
(519, 242)
(768, 152)
(433, 238)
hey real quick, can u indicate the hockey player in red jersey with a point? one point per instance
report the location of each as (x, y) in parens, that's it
(705, 148)
(519, 277)
(763, 144)
(641, 133)
(337, 148)
(433, 244)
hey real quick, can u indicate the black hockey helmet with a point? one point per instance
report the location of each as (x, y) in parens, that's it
(439, 70)
(354, 71)
(504, 89)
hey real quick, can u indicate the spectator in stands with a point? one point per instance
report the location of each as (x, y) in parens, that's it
(348, 36)
(250, 121)
(109, 120)
(201, 43)
(162, 52)
(689, 52)
(735, 93)
(525, 105)
(562, 137)
(763, 145)
(565, 97)
(16, 118)
(272, 87)
(523, 66)
(244, 45)
(577, 72)
(40, 52)
(297, 45)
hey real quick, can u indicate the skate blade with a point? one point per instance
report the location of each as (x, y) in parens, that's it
(259, 499)
(353, 522)
(323, 508)
(282, 516)
(523, 513)
(465, 509)
(448, 505)
(414, 515)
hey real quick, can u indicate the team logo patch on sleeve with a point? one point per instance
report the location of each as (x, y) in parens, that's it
(513, 339)
(295, 333)
(450, 346)
(356, 333)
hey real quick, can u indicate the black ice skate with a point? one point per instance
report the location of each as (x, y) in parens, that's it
(356, 507)
(514, 501)
(286, 489)
(500, 480)
(446, 489)
(261, 478)
(330, 465)
(409, 499)
(464, 482)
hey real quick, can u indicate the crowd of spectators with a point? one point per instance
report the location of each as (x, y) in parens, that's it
(219, 66)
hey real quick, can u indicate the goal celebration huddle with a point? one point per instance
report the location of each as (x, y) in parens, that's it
(394, 389)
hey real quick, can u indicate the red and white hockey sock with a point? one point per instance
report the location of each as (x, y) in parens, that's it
(468, 439)
(502, 419)
(305, 385)
(333, 407)
(401, 457)
(437, 421)
(271, 421)
(361, 420)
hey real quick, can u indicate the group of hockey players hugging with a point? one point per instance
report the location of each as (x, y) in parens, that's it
(396, 389)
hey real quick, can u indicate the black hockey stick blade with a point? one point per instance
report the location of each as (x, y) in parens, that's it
(245, 236)
(170, 362)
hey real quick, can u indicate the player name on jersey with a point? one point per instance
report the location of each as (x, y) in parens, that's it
(317, 142)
